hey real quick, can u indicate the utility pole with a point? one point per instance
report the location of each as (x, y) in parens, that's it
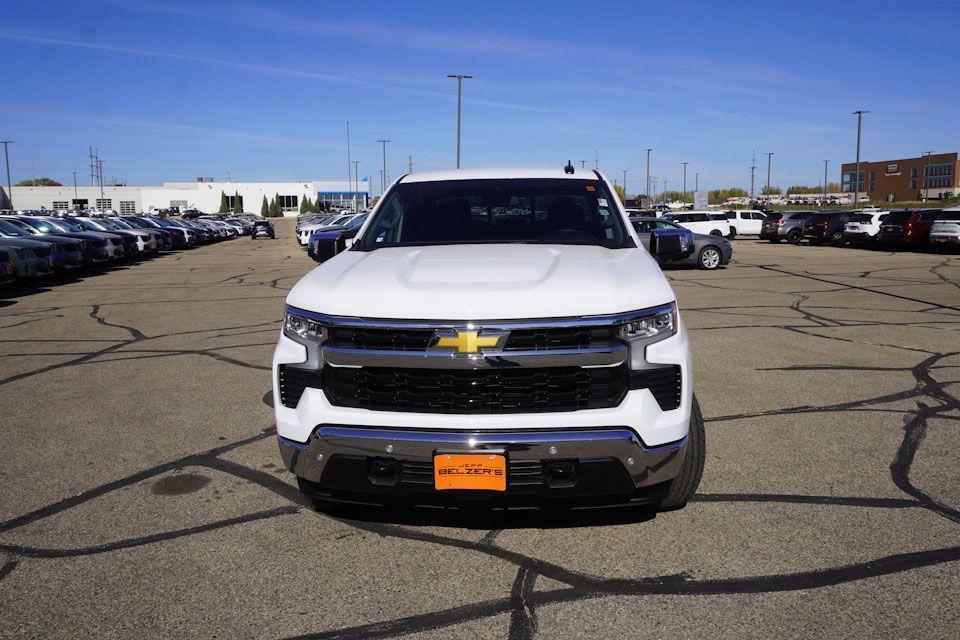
(75, 196)
(625, 185)
(753, 172)
(356, 185)
(769, 158)
(648, 175)
(684, 198)
(460, 78)
(409, 164)
(583, 164)
(926, 175)
(383, 180)
(349, 168)
(665, 190)
(825, 163)
(696, 182)
(856, 178)
(596, 159)
(6, 157)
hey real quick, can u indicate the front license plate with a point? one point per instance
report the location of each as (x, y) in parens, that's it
(482, 472)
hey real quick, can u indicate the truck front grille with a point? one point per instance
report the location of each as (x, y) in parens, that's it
(478, 391)
(293, 382)
(663, 382)
(540, 339)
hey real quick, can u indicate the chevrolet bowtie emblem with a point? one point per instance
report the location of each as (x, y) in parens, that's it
(468, 341)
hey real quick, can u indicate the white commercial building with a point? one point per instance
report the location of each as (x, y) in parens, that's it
(202, 195)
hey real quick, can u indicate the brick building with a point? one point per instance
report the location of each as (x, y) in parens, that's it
(905, 179)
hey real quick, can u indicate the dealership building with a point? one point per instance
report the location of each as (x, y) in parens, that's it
(931, 176)
(204, 195)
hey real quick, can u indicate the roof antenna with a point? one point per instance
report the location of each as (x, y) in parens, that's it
(569, 168)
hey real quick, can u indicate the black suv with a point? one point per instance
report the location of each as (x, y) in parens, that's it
(826, 227)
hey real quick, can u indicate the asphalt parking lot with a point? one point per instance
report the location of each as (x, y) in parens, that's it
(143, 495)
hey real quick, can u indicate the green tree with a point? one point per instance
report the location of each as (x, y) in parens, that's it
(39, 182)
(237, 203)
(224, 207)
(719, 196)
(800, 188)
(275, 211)
(304, 204)
(620, 192)
(771, 191)
(265, 208)
(833, 187)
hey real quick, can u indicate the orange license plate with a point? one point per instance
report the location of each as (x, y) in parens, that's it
(482, 472)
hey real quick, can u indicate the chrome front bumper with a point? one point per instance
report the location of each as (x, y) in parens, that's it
(645, 466)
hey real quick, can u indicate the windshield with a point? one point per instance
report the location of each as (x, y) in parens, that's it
(10, 229)
(531, 211)
(65, 223)
(897, 217)
(356, 222)
(861, 217)
(89, 225)
(949, 215)
(120, 224)
(40, 225)
(803, 215)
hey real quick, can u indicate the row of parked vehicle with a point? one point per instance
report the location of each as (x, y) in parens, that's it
(908, 228)
(35, 245)
(325, 235)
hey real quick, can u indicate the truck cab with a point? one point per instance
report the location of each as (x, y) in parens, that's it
(494, 336)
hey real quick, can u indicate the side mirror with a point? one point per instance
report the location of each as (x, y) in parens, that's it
(667, 246)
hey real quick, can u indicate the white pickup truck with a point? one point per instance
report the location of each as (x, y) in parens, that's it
(496, 336)
(705, 222)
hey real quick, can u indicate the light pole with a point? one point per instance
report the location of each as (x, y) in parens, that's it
(684, 198)
(6, 157)
(825, 163)
(696, 182)
(460, 78)
(383, 180)
(625, 186)
(349, 166)
(769, 158)
(100, 174)
(583, 164)
(75, 196)
(648, 175)
(856, 178)
(925, 176)
(356, 184)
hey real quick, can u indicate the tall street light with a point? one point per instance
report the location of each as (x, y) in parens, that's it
(696, 182)
(856, 178)
(356, 184)
(825, 164)
(460, 78)
(75, 196)
(100, 173)
(6, 157)
(625, 186)
(383, 179)
(926, 175)
(769, 157)
(648, 175)
(349, 167)
(684, 199)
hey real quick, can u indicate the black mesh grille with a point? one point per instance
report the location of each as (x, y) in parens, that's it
(292, 383)
(384, 339)
(664, 383)
(561, 338)
(481, 391)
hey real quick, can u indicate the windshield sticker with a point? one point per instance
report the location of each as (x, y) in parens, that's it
(590, 187)
(602, 202)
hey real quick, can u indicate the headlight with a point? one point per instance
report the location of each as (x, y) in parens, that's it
(300, 328)
(645, 330)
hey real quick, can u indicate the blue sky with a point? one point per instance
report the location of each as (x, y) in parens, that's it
(171, 91)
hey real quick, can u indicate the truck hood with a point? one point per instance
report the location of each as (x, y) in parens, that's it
(483, 282)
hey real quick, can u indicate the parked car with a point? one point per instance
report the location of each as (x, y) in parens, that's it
(560, 374)
(746, 222)
(182, 235)
(130, 240)
(68, 253)
(32, 259)
(908, 228)
(705, 251)
(165, 240)
(8, 268)
(109, 245)
(863, 227)
(826, 226)
(784, 225)
(945, 231)
(701, 222)
(303, 233)
(262, 228)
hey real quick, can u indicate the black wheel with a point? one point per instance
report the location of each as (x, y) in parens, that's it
(709, 258)
(794, 237)
(733, 234)
(837, 239)
(685, 484)
(716, 232)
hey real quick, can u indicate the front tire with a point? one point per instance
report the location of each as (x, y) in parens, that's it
(837, 239)
(709, 258)
(794, 237)
(716, 232)
(685, 484)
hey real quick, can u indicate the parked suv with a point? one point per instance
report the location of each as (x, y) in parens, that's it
(746, 223)
(784, 225)
(945, 230)
(702, 222)
(907, 228)
(863, 226)
(492, 335)
(826, 227)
